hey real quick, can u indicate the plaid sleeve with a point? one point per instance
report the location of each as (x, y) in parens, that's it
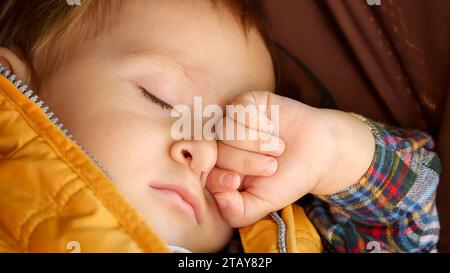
(392, 207)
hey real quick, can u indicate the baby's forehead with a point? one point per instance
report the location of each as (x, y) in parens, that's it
(58, 29)
(157, 27)
(215, 56)
(177, 50)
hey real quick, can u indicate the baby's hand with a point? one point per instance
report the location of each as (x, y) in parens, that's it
(245, 199)
(317, 151)
(240, 158)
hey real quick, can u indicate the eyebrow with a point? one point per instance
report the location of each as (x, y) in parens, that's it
(161, 61)
(166, 62)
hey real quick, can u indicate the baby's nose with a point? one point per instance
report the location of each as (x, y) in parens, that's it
(199, 155)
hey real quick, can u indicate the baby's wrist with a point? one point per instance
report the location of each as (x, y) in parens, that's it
(352, 152)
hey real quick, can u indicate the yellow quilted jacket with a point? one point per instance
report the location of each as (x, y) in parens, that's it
(55, 198)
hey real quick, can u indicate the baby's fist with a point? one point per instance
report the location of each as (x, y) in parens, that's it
(245, 199)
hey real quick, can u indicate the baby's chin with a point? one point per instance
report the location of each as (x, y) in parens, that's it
(198, 238)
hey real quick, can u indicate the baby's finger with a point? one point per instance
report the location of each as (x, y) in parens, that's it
(220, 180)
(237, 135)
(244, 162)
(250, 110)
(241, 208)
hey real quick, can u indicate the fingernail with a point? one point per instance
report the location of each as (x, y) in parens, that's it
(280, 146)
(222, 202)
(270, 166)
(228, 180)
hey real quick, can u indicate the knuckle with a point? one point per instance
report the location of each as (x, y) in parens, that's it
(247, 163)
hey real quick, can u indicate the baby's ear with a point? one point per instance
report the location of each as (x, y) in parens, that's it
(14, 63)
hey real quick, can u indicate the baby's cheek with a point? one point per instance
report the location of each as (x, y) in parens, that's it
(127, 146)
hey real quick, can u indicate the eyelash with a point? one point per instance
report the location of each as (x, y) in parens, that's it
(155, 100)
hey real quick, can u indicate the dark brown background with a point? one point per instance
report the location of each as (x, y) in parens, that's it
(390, 63)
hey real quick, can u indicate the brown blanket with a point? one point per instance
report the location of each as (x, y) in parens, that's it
(389, 62)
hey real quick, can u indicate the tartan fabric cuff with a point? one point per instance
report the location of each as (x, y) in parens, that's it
(375, 196)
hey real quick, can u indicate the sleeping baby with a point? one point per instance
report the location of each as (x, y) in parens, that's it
(114, 72)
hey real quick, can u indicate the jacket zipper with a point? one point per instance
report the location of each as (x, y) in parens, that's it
(281, 232)
(24, 89)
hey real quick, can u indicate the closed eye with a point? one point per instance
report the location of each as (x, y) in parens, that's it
(155, 99)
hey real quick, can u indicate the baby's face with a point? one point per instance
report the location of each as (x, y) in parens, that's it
(176, 50)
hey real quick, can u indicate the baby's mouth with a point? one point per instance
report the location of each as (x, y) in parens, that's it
(183, 196)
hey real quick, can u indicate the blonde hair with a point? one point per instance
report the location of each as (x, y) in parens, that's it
(29, 27)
